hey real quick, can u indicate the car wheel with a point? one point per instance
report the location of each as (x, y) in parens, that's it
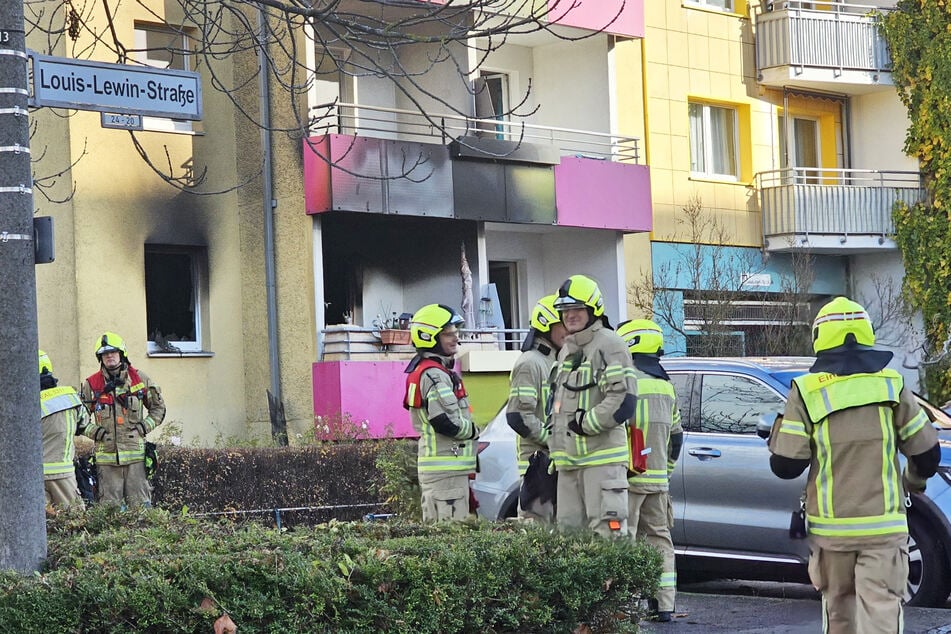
(928, 579)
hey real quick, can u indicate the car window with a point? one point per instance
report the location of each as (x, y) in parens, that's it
(733, 404)
(680, 383)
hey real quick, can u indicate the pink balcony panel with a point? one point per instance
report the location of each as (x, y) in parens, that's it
(318, 193)
(370, 391)
(600, 15)
(603, 195)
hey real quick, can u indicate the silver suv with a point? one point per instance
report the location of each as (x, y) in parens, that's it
(731, 513)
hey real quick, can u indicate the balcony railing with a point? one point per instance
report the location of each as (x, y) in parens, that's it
(804, 204)
(356, 343)
(412, 125)
(823, 35)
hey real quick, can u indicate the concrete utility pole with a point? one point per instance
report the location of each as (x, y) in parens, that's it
(22, 501)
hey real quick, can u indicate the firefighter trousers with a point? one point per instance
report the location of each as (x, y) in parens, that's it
(647, 518)
(445, 498)
(861, 589)
(595, 498)
(63, 492)
(123, 484)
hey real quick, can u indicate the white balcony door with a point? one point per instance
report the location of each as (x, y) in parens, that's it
(804, 146)
(492, 100)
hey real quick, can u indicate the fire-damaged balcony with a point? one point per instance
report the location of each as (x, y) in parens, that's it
(833, 211)
(390, 161)
(829, 46)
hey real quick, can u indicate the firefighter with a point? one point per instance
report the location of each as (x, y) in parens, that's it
(63, 415)
(440, 412)
(125, 406)
(846, 420)
(527, 410)
(655, 437)
(594, 392)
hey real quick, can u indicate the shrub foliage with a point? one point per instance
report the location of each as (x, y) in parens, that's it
(342, 477)
(153, 571)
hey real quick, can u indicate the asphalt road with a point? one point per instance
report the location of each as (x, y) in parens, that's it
(745, 607)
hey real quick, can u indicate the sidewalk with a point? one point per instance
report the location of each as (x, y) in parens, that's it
(698, 613)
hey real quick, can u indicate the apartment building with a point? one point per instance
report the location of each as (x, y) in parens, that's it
(268, 262)
(781, 119)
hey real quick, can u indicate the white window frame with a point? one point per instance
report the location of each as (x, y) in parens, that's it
(140, 55)
(709, 144)
(198, 263)
(503, 130)
(714, 5)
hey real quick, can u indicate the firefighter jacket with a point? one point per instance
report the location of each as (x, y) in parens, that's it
(440, 413)
(851, 428)
(121, 415)
(529, 401)
(594, 391)
(62, 414)
(658, 418)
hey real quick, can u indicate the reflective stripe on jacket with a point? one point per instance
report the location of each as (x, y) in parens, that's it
(594, 375)
(851, 428)
(529, 401)
(118, 413)
(439, 455)
(657, 416)
(61, 411)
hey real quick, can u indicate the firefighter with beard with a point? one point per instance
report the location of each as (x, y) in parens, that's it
(125, 405)
(440, 413)
(527, 410)
(594, 392)
(656, 439)
(846, 421)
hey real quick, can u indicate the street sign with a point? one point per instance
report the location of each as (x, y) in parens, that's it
(115, 88)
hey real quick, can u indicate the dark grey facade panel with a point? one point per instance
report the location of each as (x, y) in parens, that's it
(496, 192)
(419, 179)
(488, 147)
(357, 177)
(479, 190)
(530, 194)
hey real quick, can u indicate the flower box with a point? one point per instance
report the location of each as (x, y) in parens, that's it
(390, 337)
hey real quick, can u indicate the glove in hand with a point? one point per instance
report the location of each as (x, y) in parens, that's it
(577, 423)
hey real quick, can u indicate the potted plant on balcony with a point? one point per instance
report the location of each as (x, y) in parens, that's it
(395, 329)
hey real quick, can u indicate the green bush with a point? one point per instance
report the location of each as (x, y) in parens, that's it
(150, 571)
(396, 462)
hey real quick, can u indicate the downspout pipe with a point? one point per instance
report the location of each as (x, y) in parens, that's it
(275, 400)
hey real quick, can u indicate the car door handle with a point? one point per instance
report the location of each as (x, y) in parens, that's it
(704, 453)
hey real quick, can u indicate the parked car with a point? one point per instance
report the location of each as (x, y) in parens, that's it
(731, 513)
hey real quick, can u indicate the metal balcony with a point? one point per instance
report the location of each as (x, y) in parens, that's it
(833, 211)
(412, 125)
(829, 46)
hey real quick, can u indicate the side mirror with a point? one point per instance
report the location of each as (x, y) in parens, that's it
(764, 426)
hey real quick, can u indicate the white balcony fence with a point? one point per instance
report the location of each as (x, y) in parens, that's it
(840, 202)
(347, 342)
(412, 125)
(835, 35)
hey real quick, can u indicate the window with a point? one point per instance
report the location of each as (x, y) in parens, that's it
(492, 100)
(732, 404)
(162, 47)
(713, 141)
(720, 5)
(175, 285)
(806, 146)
